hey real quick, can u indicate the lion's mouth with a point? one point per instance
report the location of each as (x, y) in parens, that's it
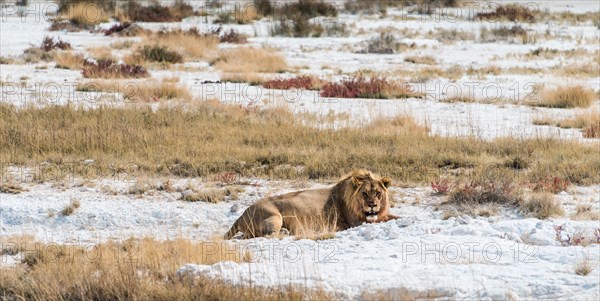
(371, 215)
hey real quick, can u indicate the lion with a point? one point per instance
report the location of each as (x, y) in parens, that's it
(359, 197)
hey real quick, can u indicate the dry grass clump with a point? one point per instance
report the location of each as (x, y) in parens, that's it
(305, 82)
(68, 60)
(11, 188)
(566, 97)
(135, 269)
(241, 15)
(160, 54)
(583, 267)
(406, 294)
(211, 195)
(249, 60)
(244, 64)
(512, 34)
(481, 197)
(233, 37)
(542, 206)
(70, 208)
(425, 60)
(585, 212)
(85, 15)
(385, 43)
(101, 53)
(190, 43)
(155, 12)
(589, 122)
(510, 12)
(209, 138)
(110, 69)
(360, 87)
(139, 91)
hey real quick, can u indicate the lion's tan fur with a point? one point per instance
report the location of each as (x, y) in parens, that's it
(317, 210)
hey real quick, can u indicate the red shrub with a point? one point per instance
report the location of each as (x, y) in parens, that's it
(372, 88)
(109, 69)
(301, 82)
(49, 44)
(551, 184)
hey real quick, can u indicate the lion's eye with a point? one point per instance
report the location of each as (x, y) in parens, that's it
(365, 194)
(378, 194)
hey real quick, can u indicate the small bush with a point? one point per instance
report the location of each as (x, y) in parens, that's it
(378, 88)
(511, 12)
(48, 44)
(234, 37)
(551, 184)
(156, 53)
(110, 69)
(566, 97)
(157, 13)
(542, 206)
(116, 28)
(583, 268)
(264, 7)
(302, 82)
(70, 209)
(11, 188)
(66, 60)
(294, 19)
(585, 212)
(441, 186)
(385, 43)
(211, 195)
(425, 60)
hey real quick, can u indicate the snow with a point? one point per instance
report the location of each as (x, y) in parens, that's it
(463, 257)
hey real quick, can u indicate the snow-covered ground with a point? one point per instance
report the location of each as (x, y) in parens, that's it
(461, 257)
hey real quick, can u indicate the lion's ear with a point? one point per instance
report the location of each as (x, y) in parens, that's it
(386, 182)
(356, 182)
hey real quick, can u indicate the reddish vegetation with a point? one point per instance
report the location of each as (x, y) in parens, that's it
(551, 184)
(116, 28)
(233, 37)
(110, 69)
(367, 88)
(49, 44)
(441, 186)
(301, 82)
(511, 12)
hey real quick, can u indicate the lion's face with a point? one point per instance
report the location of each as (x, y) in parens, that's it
(372, 196)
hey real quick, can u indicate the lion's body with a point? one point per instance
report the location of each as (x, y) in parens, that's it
(316, 210)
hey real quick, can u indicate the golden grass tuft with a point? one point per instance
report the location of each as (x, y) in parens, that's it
(140, 91)
(542, 206)
(192, 45)
(68, 60)
(101, 53)
(211, 195)
(85, 14)
(248, 62)
(11, 188)
(585, 212)
(589, 122)
(583, 267)
(135, 269)
(566, 97)
(70, 208)
(425, 60)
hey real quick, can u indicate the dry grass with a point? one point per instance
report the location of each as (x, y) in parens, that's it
(251, 59)
(406, 294)
(566, 97)
(85, 15)
(542, 206)
(70, 208)
(101, 53)
(112, 70)
(210, 138)
(211, 195)
(425, 60)
(583, 267)
(11, 188)
(68, 60)
(483, 197)
(135, 269)
(191, 44)
(374, 88)
(585, 212)
(139, 91)
(589, 122)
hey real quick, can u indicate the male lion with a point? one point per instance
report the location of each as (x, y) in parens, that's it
(358, 197)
